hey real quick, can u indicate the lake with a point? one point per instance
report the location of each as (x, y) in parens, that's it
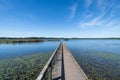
(16, 49)
(100, 59)
(24, 61)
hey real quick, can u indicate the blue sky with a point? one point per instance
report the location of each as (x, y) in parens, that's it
(60, 18)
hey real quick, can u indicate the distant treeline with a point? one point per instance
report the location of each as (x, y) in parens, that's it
(20, 40)
(42, 39)
(29, 39)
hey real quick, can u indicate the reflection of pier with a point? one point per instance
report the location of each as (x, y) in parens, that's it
(62, 66)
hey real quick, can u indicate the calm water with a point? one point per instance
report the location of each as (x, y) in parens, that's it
(110, 46)
(100, 59)
(10, 50)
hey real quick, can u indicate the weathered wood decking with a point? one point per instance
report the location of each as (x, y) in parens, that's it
(66, 67)
(62, 66)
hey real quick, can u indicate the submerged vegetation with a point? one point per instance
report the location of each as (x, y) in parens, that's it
(97, 65)
(23, 67)
(100, 65)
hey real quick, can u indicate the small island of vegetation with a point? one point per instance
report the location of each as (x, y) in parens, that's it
(20, 40)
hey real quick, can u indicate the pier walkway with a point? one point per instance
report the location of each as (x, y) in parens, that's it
(62, 66)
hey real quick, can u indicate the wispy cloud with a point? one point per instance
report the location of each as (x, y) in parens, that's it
(86, 14)
(96, 21)
(99, 2)
(73, 9)
(99, 22)
(88, 3)
(91, 23)
(86, 17)
(105, 17)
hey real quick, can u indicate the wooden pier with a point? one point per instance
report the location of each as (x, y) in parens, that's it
(62, 66)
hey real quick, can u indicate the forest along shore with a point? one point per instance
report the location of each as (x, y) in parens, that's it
(20, 40)
(28, 39)
(43, 39)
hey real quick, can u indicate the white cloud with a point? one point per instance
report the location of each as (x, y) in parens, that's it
(86, 17)
(73, 9)
(90, 23)
(98, 22)
(86, 14)
(94, 22)
(88, 3)
(106, 15)
(100, 2)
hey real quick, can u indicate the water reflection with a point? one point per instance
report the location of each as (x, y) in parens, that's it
(9, 50)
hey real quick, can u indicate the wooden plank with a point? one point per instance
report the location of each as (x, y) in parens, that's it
(56, 72)
(42, 73)
(65, 67)
(72, 69)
